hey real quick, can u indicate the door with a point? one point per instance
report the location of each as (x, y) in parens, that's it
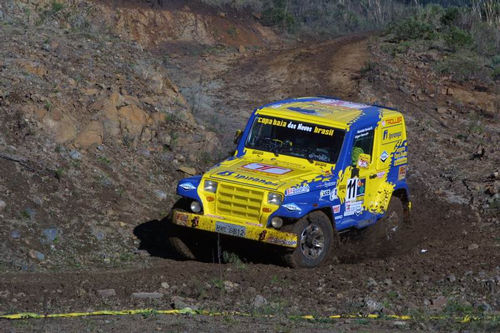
(358, 184)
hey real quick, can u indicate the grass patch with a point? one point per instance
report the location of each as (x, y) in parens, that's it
(56, 6)
(468, 43)
(104, 159)
(233, 258)
(59, 173)
(218, 283)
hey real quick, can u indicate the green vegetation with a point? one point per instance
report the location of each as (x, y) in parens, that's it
(56, 6)
(233, 258)
(453, 24)
(25, 214)
(104, 159)
(467, 39)
(48, 106)
(59, 173)
(218, 283)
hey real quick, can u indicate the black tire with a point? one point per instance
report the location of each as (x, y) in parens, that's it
(315, 241)
(187, 243)
(395, 218)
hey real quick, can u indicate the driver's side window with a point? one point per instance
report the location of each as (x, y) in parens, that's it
(363, 144)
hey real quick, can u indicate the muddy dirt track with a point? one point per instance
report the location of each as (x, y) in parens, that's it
(445, 258)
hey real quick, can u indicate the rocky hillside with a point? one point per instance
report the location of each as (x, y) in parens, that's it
(92, 133)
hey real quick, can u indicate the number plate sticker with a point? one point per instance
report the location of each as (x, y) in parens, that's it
(230, 229)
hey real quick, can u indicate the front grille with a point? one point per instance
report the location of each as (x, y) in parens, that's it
(237, 201)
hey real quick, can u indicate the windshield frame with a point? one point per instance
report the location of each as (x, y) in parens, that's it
(333, 158)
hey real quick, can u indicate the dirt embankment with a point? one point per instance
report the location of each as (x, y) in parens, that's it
(92, 131)
(94, 211)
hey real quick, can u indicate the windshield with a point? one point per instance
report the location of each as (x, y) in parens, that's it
(295, 138)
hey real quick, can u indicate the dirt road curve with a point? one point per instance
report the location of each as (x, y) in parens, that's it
(442, 259)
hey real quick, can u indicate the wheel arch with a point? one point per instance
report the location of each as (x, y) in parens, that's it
(403, 195)
(329, 213)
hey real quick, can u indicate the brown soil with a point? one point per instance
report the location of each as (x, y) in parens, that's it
(446, 261)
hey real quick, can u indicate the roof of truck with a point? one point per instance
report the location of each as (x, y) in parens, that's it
(329, 110)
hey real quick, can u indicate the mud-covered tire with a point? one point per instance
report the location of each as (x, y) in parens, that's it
(315, 241)
(395, 218)
(187, 243)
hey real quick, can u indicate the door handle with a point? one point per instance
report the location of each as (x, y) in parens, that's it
(373, 176)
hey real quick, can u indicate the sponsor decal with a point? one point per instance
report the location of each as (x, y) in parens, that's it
(181, 218)
(400, 153)
(380, 174)
(272, 121)
(363, 162)
(391, 136)
(402, 172)
(323, 131)
(400, 156)
(216, 216)
(355, 188)
(327, 184)
(330, 193)
(297, 190)
(384, 156)
(275, 170)
(187, 186)
(394, 121)
(336, 209)
(262, 235)
(244, 177)
(357, 136)
(280, 241)
(292, 207)
(353, 208)
(401, 161)
(253, 224)
(365, 130)
(195, 221)
(298, 126)
(361, 187)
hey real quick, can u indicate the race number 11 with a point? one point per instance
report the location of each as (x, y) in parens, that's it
(352, 189)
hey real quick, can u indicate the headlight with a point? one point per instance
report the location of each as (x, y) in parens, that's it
(210, 186)
(195, 206)
(277, 222)
(274, 198)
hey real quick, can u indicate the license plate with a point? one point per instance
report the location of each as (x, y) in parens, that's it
(230, 229)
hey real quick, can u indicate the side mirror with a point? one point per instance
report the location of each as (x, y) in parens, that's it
(237, 136)
(363, 161)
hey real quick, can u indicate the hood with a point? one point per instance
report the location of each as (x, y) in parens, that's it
(276, 174)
